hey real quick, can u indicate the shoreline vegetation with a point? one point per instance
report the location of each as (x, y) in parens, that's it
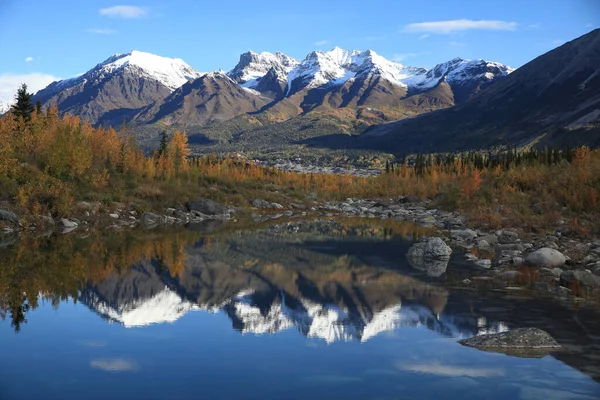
(50, 164)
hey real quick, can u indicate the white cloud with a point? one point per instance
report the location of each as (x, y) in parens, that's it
(451, 370)
(29, 59)
(457, 44)
(113, 364)
(124, 12)
(9, 83)
(534, 26)
(320, 43)
(101, 31)
(458, 25)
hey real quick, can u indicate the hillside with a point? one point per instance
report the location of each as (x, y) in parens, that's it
(553, 100)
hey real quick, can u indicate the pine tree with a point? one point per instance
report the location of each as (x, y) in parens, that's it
(23, 107)
(38, 108)
(162, 148)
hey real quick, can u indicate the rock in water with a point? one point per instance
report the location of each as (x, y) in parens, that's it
(433, 248)
(431, 256)
(522, 338)
(546, 257)
(206, 207)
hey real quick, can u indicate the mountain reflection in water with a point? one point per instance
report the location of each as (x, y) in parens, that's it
(332, 281)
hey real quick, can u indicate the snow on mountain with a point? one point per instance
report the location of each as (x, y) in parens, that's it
(459, 70)
(165, 306)
(331, 323)
(171, 72)
(338, 66)
(253, 66)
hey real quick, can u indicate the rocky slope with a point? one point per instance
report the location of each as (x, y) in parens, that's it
(117, 88)
(552, 100)
(360, 87)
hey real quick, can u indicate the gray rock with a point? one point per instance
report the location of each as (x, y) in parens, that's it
(582, 278)
(483, 263)
(114, 215)
(9, 216)
(65, 223)
(431, 256)
(433, 248)
(464, 234)
(546, 257)
(260, 203)
(149, 219)
(516, 261)
(522, 338)
(277, 206)
(491, 239)
(208, 207)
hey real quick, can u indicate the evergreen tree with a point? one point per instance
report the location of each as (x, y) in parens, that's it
(162, 148)
(23, 107)
(38, 108)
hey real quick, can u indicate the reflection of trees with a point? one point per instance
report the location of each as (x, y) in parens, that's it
(58, 266)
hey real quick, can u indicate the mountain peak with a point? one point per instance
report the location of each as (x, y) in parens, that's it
(171, 72)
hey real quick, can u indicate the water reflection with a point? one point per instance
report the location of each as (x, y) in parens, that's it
(329, 281)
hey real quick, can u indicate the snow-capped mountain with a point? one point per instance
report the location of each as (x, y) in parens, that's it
(338, 66)
(114, 89)
(143, 88)
(323, 321)
(165, 306)
(253, 66)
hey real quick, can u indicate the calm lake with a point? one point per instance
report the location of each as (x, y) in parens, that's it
(314, 309)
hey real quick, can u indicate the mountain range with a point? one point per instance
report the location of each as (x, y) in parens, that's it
(344, 100)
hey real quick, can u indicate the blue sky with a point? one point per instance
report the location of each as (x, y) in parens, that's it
(63, 38)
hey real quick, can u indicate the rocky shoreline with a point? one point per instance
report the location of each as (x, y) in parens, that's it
(565, 265)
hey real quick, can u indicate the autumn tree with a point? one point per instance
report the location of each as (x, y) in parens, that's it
(23, 108)
(178, 152)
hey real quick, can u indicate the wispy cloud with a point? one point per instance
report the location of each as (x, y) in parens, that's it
(534, 26)
(114, 364)
(405, 56)
(124, 12)
(457, 44)
(450, 370)
(98, 31)
(29, 59)
(373, 38)
(320, 43)
(458, 25)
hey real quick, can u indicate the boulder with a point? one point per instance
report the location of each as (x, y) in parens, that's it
(206, 207)
(9, 216)
(277, 206)
(433, 248)
(546, 257)
(522, 338)
(431, 256)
